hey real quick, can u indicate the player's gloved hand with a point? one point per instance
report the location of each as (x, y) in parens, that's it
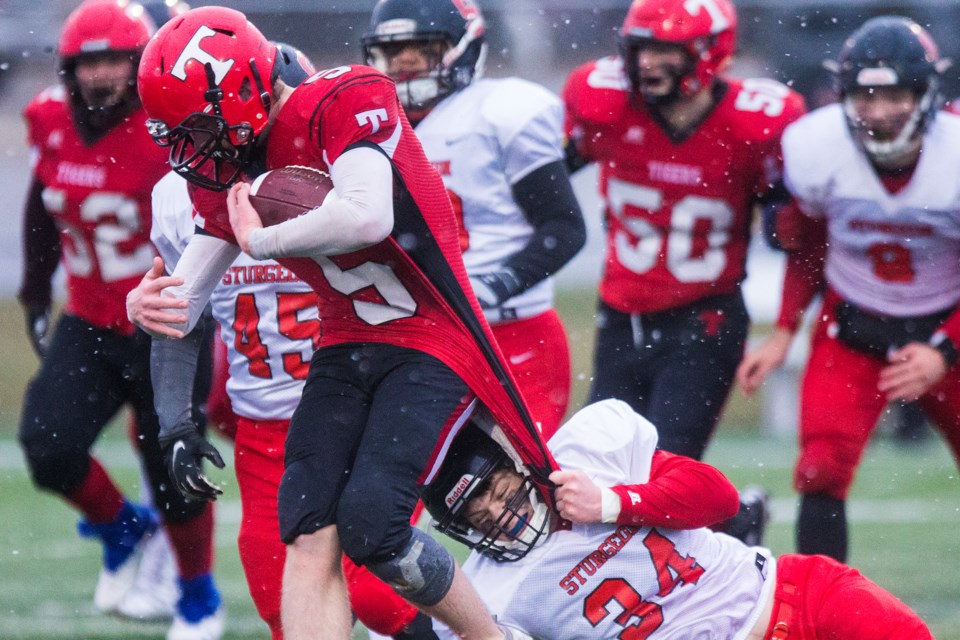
(38, 327)
(184, 450)
(495, 287)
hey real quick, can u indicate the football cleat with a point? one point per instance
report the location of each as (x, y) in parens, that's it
(154, 593)
(200, 614)
(750, 523)
(123, 542)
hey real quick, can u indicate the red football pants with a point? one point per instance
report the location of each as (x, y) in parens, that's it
(537, 353)
(818, 598)
(258, 457)
(840, 407)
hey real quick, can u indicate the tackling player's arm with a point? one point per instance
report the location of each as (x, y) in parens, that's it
(682, 493)
(41, 251)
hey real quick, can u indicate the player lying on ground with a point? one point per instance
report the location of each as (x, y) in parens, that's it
(628, 554)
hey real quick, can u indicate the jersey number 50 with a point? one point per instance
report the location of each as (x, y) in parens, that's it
(685, 260)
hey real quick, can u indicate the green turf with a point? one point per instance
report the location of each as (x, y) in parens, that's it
(905, 514)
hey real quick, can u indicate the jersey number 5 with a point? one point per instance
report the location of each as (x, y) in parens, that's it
(639, 617)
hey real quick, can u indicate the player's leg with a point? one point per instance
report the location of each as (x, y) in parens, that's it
(621, 364)
(258, 459)
(697, 349)
(324, 435)
(417, 397)
(831, 601)
(942, 405)
(155, 591)
(839, 408)
(189, 524)
(538, 355)
(57, 441)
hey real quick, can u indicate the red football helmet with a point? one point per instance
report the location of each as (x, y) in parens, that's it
(205, 80)
(108, 37)
(104, 25)
(706, 28)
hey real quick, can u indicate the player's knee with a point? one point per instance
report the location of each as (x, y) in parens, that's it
(821, 470)
(371, 524)
(52, 465)
(422, 572)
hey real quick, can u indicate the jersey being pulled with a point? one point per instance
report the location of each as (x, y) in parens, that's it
(99, 197)
(608, 581)
(891, 253)
(483, 140)
(267, 315)
(411, 289)
(677, 212)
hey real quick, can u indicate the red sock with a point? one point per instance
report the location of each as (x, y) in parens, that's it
(193, 544)
(97, 497)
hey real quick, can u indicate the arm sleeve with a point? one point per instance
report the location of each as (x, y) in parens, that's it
(803, 278)
(41, 250)
(682, 493)
(173, 369)
(203, 263)
(358, 214)
(548, 201)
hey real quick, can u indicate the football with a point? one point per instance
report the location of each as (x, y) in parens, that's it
(283, 194)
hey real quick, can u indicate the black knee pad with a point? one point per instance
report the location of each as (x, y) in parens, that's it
(422, 572)
(52, 466)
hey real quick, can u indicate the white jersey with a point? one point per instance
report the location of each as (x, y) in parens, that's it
(597, 581)
(896, 254)
(267, 316)
(483, 140)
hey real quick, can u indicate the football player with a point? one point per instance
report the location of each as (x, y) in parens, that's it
(880, 226)
(685, 154)
(403, 340)
(628, 554)
(268, 324)
(497, 146)
(88, 208)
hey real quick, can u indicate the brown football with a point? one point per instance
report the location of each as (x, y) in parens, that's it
(286, 193)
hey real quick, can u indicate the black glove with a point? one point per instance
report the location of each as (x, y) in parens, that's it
(38, 326)
(184, 450)
(495, 287)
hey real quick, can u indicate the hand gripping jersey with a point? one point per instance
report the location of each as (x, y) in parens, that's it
(411, 289)
(99, 197)
(483, 140)
(608, 581)
(677, 211)
(267, 315)
(892, 253)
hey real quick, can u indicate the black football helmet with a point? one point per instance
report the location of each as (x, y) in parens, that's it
(457, 24)
(890, 51)
(466, 471)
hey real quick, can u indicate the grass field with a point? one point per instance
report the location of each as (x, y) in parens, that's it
(905, 515)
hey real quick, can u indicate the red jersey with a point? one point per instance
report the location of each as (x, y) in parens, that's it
(677, 211)
(411, 289)
(99, 197)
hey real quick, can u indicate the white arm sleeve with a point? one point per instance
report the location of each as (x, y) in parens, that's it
(359, 214)
(172, 218)
(203, 263)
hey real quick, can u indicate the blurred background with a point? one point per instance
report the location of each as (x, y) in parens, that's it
(541, 40)
(899, 498)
